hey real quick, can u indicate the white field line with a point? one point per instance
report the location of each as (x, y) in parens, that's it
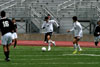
(81, 55)
(59, 55)
(48, 59)
(55, 63)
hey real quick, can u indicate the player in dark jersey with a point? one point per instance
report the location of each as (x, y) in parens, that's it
(97, 33)
(6, 27)
(14, 35)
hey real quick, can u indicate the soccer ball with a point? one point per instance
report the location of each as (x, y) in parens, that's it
(43, 49)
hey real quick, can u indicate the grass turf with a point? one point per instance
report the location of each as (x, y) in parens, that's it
(30, 56)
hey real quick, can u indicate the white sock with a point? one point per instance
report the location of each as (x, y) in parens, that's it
(49, 45)
(79, 48)
(75, 47)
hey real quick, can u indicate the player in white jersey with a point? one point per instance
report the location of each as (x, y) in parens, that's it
(48, 25)
(78, 33)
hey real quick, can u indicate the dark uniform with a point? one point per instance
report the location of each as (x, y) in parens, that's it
(6, 26)
(97, 35)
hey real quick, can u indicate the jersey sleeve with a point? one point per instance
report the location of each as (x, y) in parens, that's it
(96, 31)
(11, 26)
(72, 28)
(79, 28)
(53, 21)
(43, 25)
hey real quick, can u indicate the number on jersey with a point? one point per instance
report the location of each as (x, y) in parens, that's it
(5, 24)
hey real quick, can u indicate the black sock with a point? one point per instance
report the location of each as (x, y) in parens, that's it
(6, 54)
(15, 44)
(96, 43)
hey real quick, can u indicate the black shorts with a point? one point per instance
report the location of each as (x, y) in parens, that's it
(77, 38)
(46, 34)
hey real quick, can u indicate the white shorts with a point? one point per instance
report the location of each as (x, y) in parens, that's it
(6, 39)
(14, 36)
(96, 39)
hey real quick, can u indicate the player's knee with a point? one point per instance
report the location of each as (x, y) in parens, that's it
(48, 37)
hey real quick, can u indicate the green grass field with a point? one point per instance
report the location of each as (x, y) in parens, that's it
(30, 56)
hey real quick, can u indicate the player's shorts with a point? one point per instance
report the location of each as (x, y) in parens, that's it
(78, 38)
(46, 34)
(6, 39)
(96, 39)
(14, 35)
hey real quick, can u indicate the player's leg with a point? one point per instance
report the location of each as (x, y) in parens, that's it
(96, 40)
(15, 43)
(15, 39)
(4, 43)
(49, 42)
(53, 42)
(9, 42)
(5, 52)
(45, 39)
(75, 45)
(78, 46)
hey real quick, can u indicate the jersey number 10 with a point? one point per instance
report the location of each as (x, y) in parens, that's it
(5, 24)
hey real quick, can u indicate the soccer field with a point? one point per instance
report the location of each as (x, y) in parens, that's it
(30, 56)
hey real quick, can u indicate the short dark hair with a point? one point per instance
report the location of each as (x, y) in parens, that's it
(48, 14)
(45, 18)
(74, 18)
(98, 22)
(3, 13)
(13, 18)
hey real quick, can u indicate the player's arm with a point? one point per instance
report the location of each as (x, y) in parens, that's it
(43, 25)
(16, 27)
(56, 23)
(96, 32)
(71, 29)
(11, 26)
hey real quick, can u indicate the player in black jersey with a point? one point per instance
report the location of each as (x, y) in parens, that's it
(6, 27)
(97, 33)
(14, 35)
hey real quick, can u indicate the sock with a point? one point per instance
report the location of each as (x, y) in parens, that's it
(96, 43)
(78, 46)
(49, 43)
(15, 43)
(75, 47)
(6, 54)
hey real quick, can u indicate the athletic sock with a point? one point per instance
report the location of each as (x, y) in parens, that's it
(14, 44)
(79, 48)
(49, 45)
(6, 54)
(75, 47)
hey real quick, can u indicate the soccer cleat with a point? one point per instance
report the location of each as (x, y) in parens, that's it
(96, 43)
(14, 47)
(54, 43)
(7, 59)
(75, 51)
(79, 52)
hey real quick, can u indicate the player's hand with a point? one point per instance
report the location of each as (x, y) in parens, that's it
(43, 27)
(98, 33)
(58, 26)
(68, 31)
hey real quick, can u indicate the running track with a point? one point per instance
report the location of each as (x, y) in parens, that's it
(58, 43)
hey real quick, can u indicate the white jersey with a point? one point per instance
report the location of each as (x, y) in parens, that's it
(49, 25)
(77, 28)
